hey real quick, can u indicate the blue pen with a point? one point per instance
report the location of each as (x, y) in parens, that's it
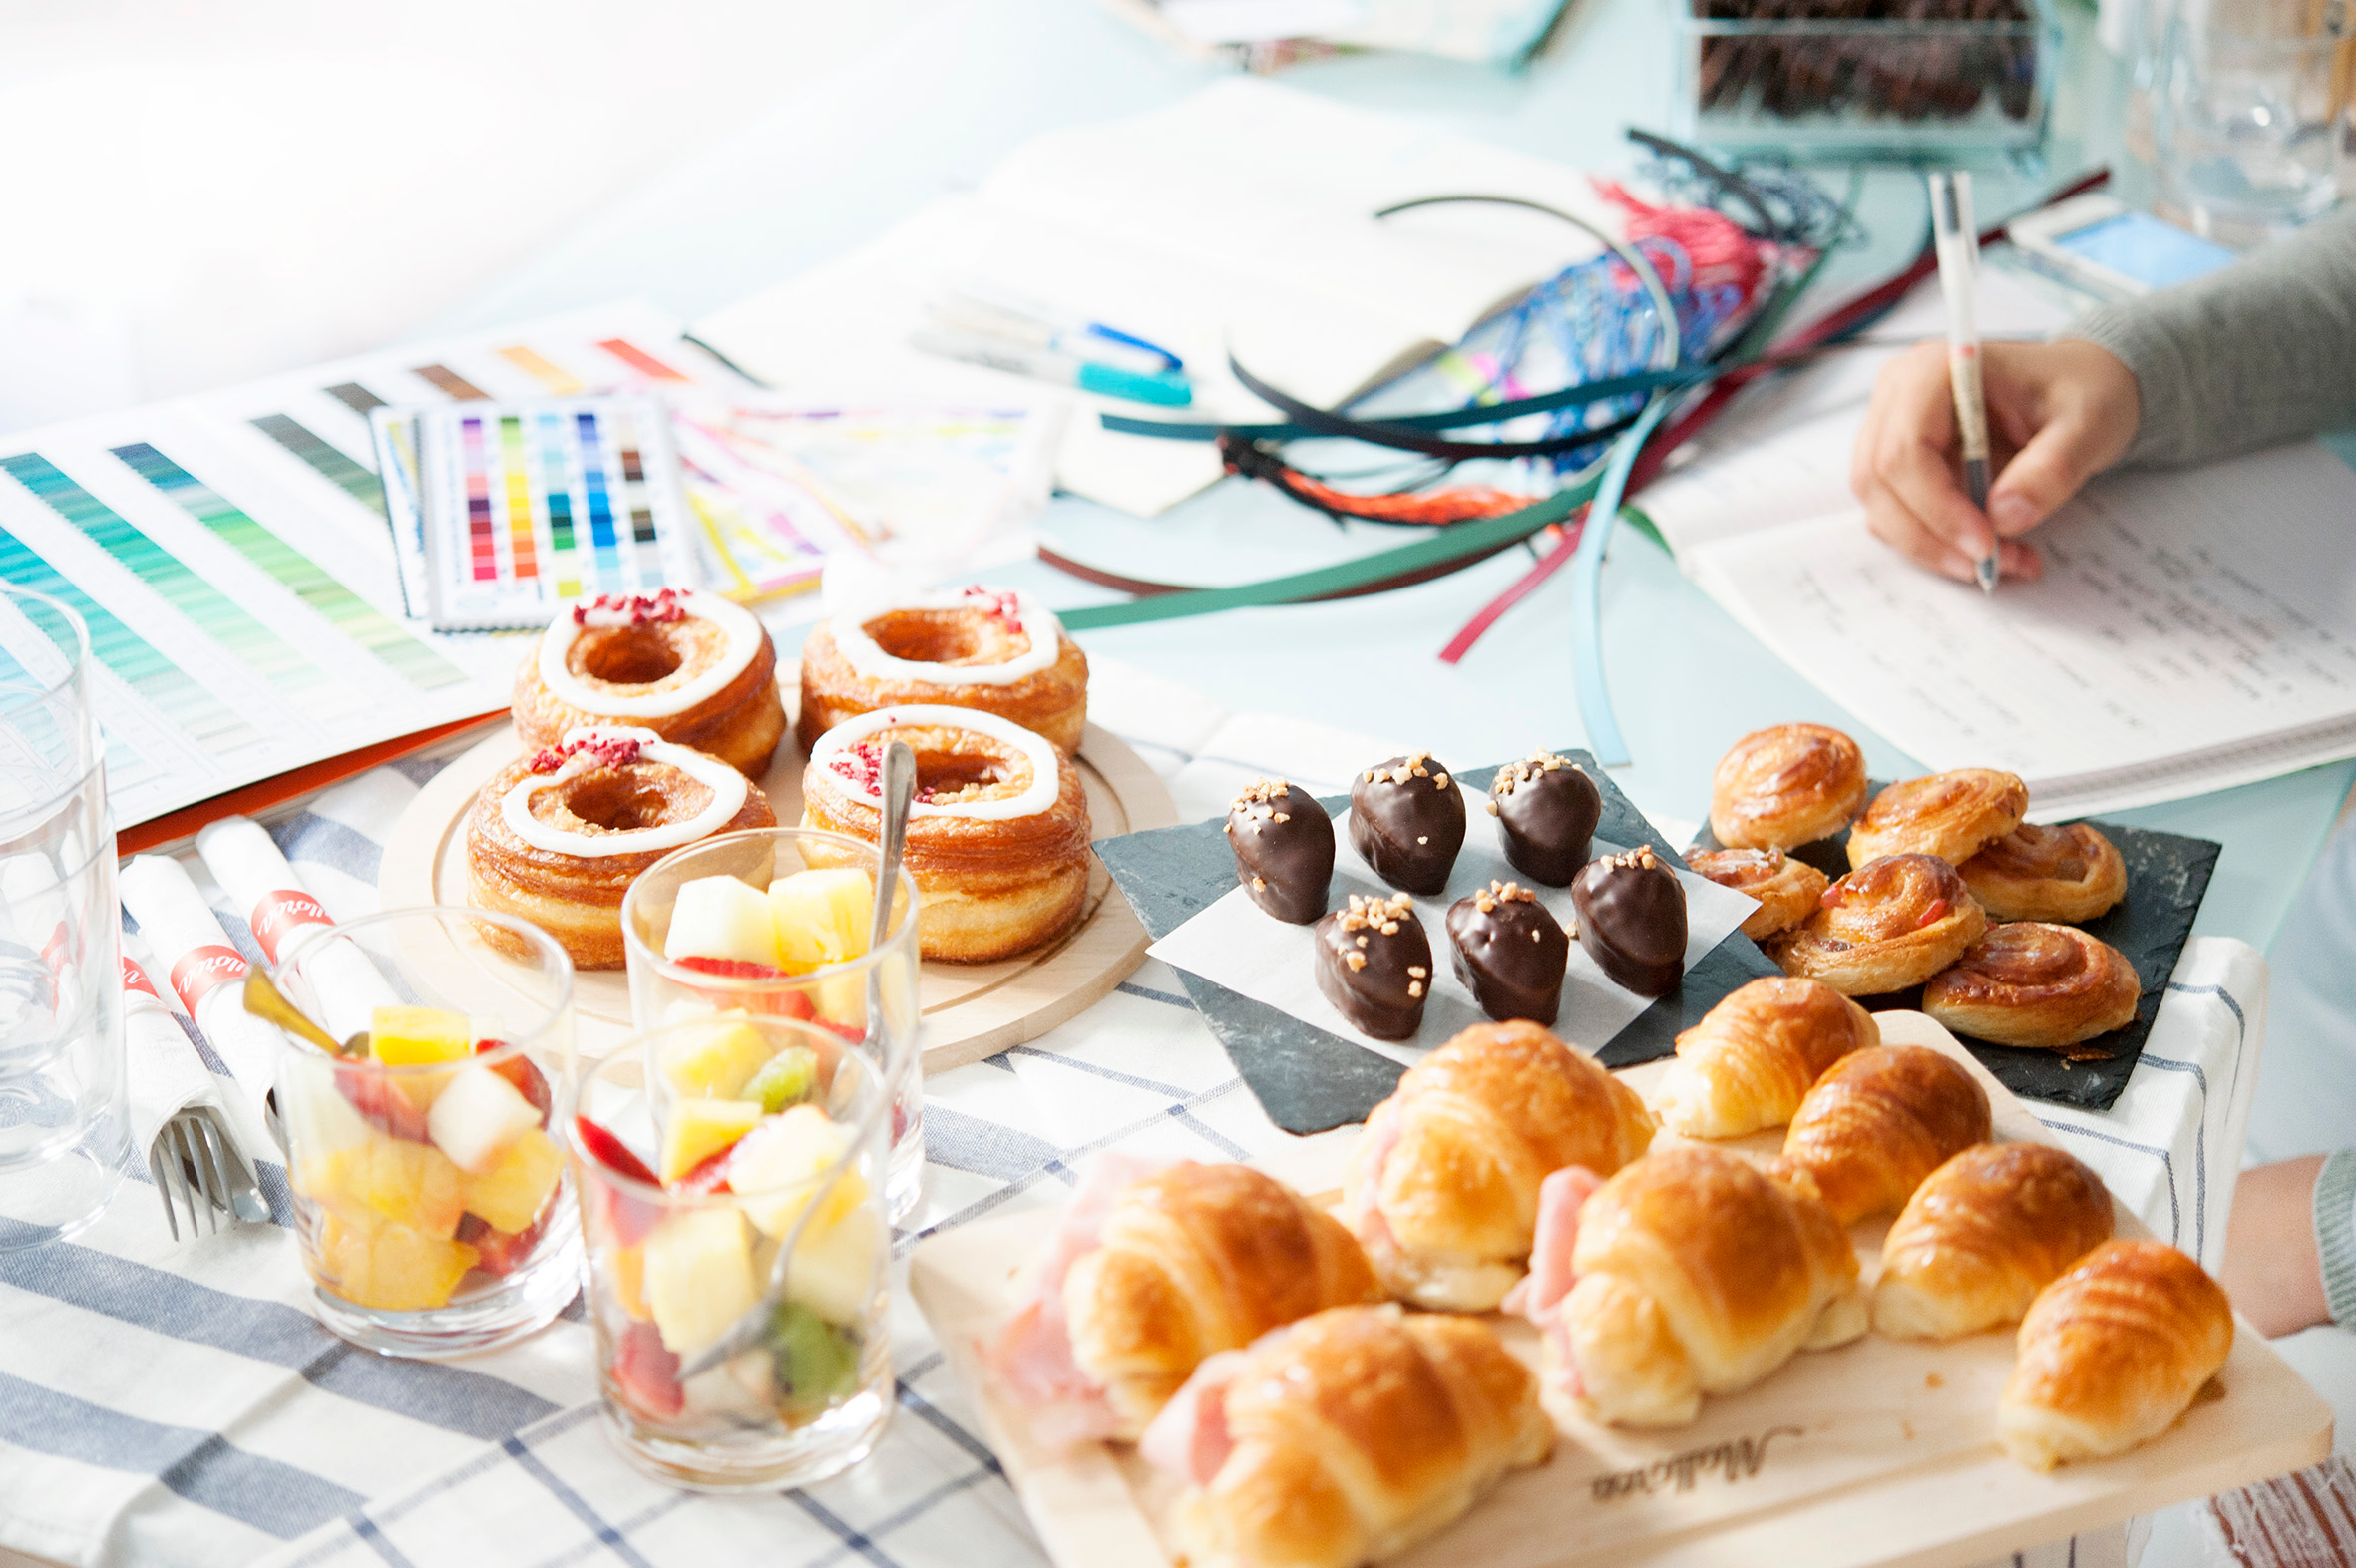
(984, 307)
(1042, 364)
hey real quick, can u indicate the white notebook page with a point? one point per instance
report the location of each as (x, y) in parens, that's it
(2192, 630)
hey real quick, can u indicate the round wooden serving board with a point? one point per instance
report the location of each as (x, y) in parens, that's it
(970, 1010)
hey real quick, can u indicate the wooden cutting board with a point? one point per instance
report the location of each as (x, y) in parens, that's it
(970, 1010)
(1882, 1451)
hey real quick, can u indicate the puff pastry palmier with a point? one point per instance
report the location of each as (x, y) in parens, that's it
(2111, 1354)
(1152, 1270)
(997, 840)
(1343, 1439)
(1982, 1235)
(2036, 985)
(2067, 873)
(1786, 888)
(1890, 924)
(1691, 1271)
(1444, 1191)
(1789, 785)
(1951, 815)
(1752, 1058)
(1879, 1121)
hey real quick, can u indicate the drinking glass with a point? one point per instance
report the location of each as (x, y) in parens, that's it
(663, 989)
(65, 1130)
(430, 1198)
(2248, 123)
(678, 1268)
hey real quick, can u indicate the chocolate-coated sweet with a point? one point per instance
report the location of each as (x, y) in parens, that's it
(1546, 809)
(1510, 951)
(1631, 921)
(1373, 964)
(1284, 849)
(1406, 817)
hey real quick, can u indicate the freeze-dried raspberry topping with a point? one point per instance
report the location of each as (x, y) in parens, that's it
(997, 603)
(863, 766)
(633, 609)
(613, 752)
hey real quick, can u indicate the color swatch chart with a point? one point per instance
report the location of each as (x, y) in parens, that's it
(531, 505)
(231, 557)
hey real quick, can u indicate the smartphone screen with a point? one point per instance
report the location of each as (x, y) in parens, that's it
(2141, 246)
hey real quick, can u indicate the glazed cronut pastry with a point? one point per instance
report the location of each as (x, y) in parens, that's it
(692, 668)
(997, 840)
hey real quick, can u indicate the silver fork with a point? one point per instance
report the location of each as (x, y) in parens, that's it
(195, 1169)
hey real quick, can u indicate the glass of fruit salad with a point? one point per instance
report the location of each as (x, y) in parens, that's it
(744, 923)
(730, 1171)
(429, 1193)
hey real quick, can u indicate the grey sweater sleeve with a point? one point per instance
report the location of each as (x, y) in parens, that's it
(2258, 353)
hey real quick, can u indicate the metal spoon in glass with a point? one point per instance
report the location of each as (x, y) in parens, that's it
(752, 1327)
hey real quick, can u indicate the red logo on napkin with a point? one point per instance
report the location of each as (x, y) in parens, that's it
(136, 978)
(201, 969)
(278, 914)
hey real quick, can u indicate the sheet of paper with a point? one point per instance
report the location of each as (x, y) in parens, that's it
(2192, 630)
(1235, 943)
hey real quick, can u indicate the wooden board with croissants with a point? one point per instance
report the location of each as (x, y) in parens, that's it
(972, 1011)
(1881, 1450)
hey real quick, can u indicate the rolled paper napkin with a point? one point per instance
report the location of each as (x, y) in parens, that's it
(206, 972)
(34, 918)
(346, 987)
(167, 1075)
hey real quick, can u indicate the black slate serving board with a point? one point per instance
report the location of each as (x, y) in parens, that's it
(2166, 878)
(1308, 1079)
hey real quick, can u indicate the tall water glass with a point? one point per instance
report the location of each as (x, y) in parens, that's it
(2248, 123)
(65, 1132)
(665, 990)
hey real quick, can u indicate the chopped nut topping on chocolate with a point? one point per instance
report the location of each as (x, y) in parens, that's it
(1367, 914)
(1515, 774)
(1262, 792)
(1414, 988)
(1356, 960)
(1417, 971)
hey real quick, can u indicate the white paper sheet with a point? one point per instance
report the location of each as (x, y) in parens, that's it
(1236, 945)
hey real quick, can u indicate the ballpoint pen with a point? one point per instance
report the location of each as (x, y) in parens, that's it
(1958, 246)
(1045, 364)
(968, 305)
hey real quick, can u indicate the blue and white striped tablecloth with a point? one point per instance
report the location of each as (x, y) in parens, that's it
(175, 1403)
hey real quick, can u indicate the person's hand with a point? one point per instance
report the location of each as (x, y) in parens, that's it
(2274, 1271)
(2058, 414)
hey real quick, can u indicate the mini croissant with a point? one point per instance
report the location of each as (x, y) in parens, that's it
(1881, 1120)
(1344, 1437)
(2111, 1353)
(1443, 1192)
(1691, 1271)
(1982, 1235)
(1153, 1271)
(1753, 1057)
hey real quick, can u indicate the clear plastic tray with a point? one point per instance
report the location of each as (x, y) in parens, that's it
(1880, 76)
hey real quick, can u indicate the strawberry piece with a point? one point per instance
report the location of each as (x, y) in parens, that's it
(525, 1075)
(734, 969)
(709, 1174)
(628, 1216)
(647, 1374)
(382, 1104)
(502, 1252)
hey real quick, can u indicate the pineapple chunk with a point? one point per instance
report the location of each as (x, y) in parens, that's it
(832, 1268)
(721, 918)
(822, 917)
(478, 1116)
(699, 1277)
(509, 1196)
(390, 1268)
(392, 1180)
(626, 1267)
(783, 1156)
(715, 1063)
(407, 1036)
(695, 1130)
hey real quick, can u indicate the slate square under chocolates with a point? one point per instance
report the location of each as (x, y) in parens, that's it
(1308, 1079)
(2166, 878)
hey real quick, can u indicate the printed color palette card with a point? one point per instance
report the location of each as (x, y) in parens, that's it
(520, 508)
